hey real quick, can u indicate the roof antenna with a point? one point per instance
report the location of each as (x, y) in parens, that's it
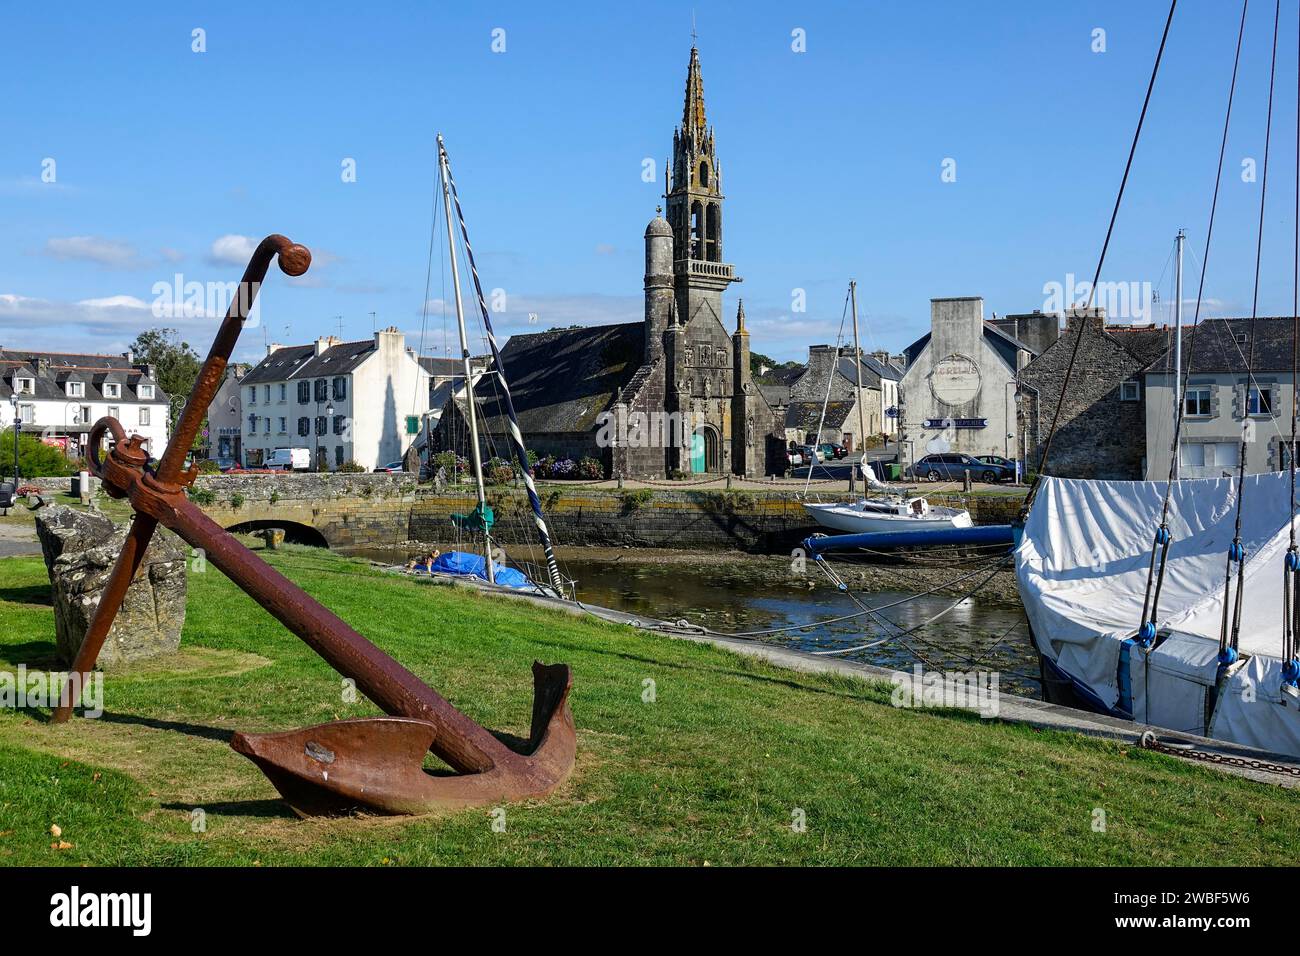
(693, 33)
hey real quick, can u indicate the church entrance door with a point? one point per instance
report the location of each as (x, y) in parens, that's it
(705, 451)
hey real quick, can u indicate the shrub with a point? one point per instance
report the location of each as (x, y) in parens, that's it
(35, 458)
(350, 467)
(236, 500)
(498, 471)
(209, 467)
(590, 469)
(200, 496)
(275, 496)
(635, 500)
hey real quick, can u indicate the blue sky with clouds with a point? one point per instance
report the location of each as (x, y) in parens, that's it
(168, 162)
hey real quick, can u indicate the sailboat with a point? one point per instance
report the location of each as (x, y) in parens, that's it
(886, 509)
(486, 567)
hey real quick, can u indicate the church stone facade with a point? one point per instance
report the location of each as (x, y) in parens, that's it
(687, 402)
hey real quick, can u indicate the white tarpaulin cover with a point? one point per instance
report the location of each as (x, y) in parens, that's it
(1082, 566)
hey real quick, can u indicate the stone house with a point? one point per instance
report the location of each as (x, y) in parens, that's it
(225, 419)
(830, 378)
(957, 392)
(1101, 431)
(1221, 399)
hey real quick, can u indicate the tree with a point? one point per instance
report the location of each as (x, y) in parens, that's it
(176, 364)
(768, 371)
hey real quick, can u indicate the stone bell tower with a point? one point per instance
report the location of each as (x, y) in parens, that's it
(694, 199)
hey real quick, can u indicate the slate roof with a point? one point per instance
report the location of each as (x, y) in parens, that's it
(94, 371)
(301, 361)
(1216, 348)
(871, 370)
(805, 415)
(561, 380)
(1146, 343)
(777, 395)
(1005, 345)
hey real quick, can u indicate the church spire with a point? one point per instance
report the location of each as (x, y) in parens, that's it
(693, 112)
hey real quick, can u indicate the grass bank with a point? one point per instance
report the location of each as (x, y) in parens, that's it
(714, 769)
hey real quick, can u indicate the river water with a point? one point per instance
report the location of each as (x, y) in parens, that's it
(970, 635)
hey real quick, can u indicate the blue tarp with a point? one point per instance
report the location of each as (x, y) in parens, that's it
(473, 565)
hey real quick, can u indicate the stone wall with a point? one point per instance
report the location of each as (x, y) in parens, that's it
(383, 511)
(1098, 435)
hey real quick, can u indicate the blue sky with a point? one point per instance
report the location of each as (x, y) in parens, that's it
(831, 158)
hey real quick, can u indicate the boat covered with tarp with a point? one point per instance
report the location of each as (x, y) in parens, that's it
(1083, 566)
(468, 565)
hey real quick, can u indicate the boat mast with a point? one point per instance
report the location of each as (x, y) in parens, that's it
(464, 349)
(1178, 345)
(857, 349)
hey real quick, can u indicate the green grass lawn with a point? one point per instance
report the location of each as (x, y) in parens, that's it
(713, 770)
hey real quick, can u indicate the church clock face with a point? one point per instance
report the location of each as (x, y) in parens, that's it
(955, 380)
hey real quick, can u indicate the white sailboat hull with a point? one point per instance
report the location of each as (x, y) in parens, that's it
(855, 519)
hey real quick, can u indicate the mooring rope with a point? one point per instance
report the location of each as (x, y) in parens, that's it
(1074, 354)
(1163, 538)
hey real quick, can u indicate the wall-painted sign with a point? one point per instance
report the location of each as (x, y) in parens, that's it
(955, 380)
(956, 423)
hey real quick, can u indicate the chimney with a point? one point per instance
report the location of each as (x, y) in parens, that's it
(273, 348)
(129, 356)
(327, 342)
(390, 338)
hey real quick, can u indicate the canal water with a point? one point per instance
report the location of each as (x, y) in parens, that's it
(972, 635)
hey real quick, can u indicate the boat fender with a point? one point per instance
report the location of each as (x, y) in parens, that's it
(1293, 560)
(1227, 657)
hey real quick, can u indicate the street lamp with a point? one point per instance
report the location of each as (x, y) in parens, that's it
(17, 427)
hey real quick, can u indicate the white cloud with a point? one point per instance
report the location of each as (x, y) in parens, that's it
(232, 250)
(113, 253)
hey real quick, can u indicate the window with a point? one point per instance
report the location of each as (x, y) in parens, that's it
(284, 392)
(284, 426)
(146, 391)
(266, 427)
(1259, 400)
(26, 386)
(266, 393)
(114, 412)
(1129, 391)
(338, 424)
(304, 393)
(112, 391)
(85, 415)
(338, 456)
(322, 390)
(1197, 402)
(252, 424)
(320, 424)
(252, 394)
(1223, 454)
(27, 413)
(76, 389)
(340, 390)
(144, 414)
(304, 426)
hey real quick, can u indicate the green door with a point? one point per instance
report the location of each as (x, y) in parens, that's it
(697, 453)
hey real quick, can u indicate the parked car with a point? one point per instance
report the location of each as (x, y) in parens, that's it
(793, 457)
(953, 467)
(1000, 461)
(831, 450)
(811, 455)
(289, 459)
(392, 468)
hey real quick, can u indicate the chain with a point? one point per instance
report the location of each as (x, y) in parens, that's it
(1150, 741)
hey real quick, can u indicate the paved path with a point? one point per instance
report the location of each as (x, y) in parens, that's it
(18, 539)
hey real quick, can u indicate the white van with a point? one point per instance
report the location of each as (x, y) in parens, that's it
(290, 459)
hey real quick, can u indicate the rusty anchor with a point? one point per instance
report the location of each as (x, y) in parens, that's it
(371, 764)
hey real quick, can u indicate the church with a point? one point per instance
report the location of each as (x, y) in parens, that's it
(668, 396)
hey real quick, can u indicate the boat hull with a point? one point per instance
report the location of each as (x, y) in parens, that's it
(852, 521)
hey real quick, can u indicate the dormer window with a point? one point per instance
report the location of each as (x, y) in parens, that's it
(112, 391)
(76, 389)
(25, 386)
(146, 391)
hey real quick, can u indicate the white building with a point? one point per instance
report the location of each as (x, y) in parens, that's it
(343, 401)
(225, 423)
(958, 392)
(60, 396)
